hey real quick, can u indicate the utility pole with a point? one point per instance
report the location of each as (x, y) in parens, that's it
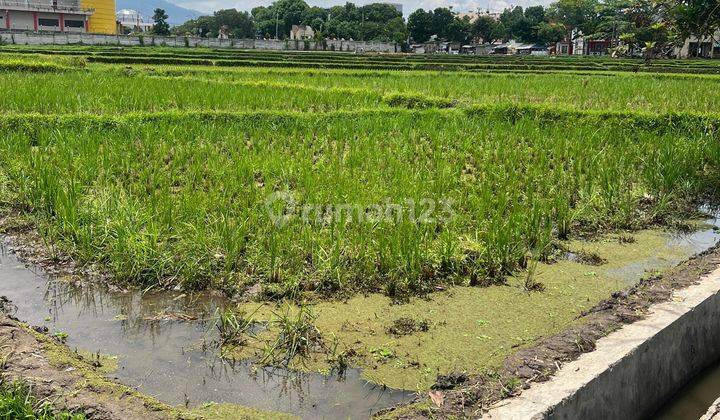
(277, 23)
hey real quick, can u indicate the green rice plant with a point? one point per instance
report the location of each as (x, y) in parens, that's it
(184, 202)
(110, 93)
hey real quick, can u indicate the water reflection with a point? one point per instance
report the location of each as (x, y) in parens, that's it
(173, 359)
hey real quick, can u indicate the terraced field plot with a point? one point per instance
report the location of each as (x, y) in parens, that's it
(411, 223)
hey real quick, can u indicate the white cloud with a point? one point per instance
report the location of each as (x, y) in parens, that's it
(409, 5)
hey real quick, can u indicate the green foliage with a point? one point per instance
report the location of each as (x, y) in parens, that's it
(233, 326)
(204, 181)
(486, 28)
(184, 201)
(297, 337)
(236, 24)
(17, 402)
(161, 26)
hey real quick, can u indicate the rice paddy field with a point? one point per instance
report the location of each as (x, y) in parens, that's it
(408, 216)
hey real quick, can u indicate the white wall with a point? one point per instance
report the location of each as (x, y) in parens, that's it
(248, 44)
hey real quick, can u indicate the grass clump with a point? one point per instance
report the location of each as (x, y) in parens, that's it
(234, 326)
(297, 337)
(17, 402)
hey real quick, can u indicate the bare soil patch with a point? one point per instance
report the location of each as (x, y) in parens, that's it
(71, 382)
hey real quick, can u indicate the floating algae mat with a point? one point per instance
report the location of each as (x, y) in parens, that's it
(473, 329)
(162, 340)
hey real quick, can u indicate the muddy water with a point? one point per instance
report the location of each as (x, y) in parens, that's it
(695, 398)
(174, 360)
(694, 243)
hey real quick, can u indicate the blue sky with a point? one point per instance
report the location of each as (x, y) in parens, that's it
(409, 5)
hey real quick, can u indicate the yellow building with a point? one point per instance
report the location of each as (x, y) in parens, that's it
(103, 20)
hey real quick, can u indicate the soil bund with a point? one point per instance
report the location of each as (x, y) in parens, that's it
(163, 341)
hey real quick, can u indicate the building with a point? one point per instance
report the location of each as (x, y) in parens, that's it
(597, 46)
(132, 21)
(531, 49)
(696, 48)
(477, 49)
(48, 15)
(102, 20)
(57, 15)
(301, 32)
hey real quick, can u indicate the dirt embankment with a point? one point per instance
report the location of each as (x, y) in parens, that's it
(468, 395)
(66, 379)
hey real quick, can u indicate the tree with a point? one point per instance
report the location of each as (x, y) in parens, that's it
(612, 20)
(396, 30)
(648, 29)
(550, 33)
(459, 30)
(517, 26)
(161, 26)
(484, 28)
(279, 17)
(238, 24)
(535, 14)
(442, 18)
(500, 32)
(420, 25)
(575, 14)
(699, 18)
(374, 18)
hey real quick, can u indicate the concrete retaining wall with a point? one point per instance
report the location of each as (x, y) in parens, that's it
(634, 370)
(30, 38)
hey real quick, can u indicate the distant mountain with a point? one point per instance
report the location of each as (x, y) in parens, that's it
(177, 14)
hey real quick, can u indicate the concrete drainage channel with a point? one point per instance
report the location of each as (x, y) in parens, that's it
(634, 370)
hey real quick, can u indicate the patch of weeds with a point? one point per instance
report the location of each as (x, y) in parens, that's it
(626, 239)
(61, 336)
(105, 364)
(382, 354)
(510, 387)
(17, 402)
(588, 258)
(406, 326)
(297, 339)
(553, 253)
(234, 326)
(340, 359)
(6, 352)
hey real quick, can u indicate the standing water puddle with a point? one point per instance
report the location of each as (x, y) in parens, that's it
(692, 243)
(168, 359)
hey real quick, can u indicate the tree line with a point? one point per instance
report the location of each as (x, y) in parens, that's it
(648, 24)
